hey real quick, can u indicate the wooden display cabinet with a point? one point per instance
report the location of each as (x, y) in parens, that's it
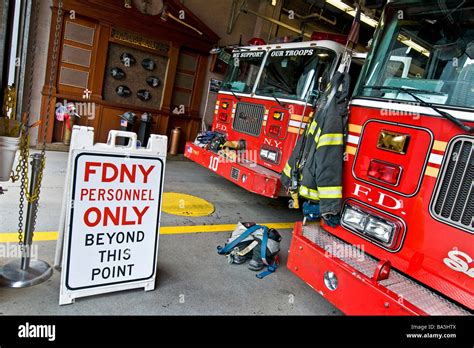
(90, 42)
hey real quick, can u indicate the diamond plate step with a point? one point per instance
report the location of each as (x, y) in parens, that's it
(407, 289)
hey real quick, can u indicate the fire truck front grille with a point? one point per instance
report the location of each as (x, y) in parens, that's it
(454, 195)
(248, 118)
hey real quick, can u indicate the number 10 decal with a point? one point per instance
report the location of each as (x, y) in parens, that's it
(214, 164)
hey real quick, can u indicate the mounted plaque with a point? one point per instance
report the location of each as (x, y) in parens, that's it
(144, 95)
(123, 91)
(127, 59)
(148, 64)
(117, 73)
(153, 81)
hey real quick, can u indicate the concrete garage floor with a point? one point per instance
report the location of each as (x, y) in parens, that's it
(192, 279)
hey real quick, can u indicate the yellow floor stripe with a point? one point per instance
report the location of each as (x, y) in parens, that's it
(52, 236)
(39, 236)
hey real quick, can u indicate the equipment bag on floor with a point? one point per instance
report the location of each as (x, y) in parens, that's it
(256, 243)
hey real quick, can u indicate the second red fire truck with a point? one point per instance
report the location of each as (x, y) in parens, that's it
(265, 103)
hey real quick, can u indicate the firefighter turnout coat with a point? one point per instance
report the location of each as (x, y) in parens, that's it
(319, 154)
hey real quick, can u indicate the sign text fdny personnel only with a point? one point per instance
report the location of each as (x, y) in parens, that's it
(114, 224)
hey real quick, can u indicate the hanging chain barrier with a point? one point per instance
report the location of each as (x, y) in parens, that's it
(21, 170)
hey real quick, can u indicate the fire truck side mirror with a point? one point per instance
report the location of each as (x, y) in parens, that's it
(323, 83)
(320, 84)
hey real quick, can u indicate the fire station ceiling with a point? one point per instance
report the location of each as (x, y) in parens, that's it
(333, 10)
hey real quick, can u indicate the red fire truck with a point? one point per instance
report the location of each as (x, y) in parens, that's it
(405, 245)
(265, 101)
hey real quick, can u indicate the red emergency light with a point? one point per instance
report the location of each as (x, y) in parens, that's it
(275, 130)
(223, 117)
(320, 35)
(256, 41)
(382, 171)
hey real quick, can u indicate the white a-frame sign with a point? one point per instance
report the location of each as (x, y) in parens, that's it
(110, 222)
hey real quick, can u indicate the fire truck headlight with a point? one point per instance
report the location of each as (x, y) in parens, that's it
(376, 228)
(354, 218)
(272, 156)
(381, 230)
(330, 280)
(269, 155)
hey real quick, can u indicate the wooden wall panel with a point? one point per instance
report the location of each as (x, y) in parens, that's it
(100, 61)
(199, 84)
(109, 120)
(72, 84)
(170, 74)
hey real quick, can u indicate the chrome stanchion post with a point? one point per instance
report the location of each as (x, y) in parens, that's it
(26, 272)
(31, 212)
